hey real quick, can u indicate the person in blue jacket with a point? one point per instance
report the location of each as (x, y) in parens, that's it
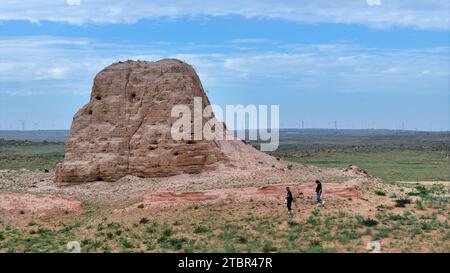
(319, 192)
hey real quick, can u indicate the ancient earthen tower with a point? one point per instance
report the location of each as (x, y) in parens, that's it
(126, 127)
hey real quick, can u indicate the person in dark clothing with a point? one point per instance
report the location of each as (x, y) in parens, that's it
(289, 200)
(319, 192)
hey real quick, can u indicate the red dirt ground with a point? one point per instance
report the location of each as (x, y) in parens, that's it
(330, 191)
(36, 205)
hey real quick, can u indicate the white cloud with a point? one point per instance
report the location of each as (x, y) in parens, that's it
(54, 73)
(374, 2)
(73, 2)
(419, 14)
(45, 65)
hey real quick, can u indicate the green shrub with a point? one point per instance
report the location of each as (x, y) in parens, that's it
(167, 231)
(201, 229)
(269, 247)
(313, 221)
(127, 244)
(420, 205)
(383, 233)
(292, 237)
(242, 240)
(395, 217)
(152, 229)
(315, 243)
(380, 193)
(319, 249)
(422, 190)
(177, 243)
(229, 231)
(402, 202)
(369, 222)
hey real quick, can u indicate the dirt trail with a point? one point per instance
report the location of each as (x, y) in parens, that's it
(348, 189)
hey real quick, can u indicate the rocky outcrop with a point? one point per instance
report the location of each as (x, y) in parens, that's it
(126, 127)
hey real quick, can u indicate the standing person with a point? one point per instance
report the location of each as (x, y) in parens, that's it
(319, 192)
(289, 200)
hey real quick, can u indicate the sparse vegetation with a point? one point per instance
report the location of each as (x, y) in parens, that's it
(30, 155)
(402, 202)
(370, 222)
(418, 223)
(201, 229)
(380, 193)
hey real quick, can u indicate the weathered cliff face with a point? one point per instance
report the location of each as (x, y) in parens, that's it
(126, 126)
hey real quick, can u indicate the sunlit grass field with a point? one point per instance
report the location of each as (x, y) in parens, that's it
(392, 156)
(30, 155)
(390, 165)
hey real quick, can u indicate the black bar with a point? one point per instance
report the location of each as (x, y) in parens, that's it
(224, 262)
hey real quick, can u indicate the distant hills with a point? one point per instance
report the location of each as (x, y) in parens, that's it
(285, 134)
(36, 135)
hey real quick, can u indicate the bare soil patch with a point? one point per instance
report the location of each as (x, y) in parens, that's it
(348, 189)
(25, 206)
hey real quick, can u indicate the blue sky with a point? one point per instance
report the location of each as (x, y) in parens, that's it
(364, 63)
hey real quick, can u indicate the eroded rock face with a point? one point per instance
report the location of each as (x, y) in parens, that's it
(126, 126)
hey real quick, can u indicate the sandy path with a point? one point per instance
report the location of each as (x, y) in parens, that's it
(348, 189)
